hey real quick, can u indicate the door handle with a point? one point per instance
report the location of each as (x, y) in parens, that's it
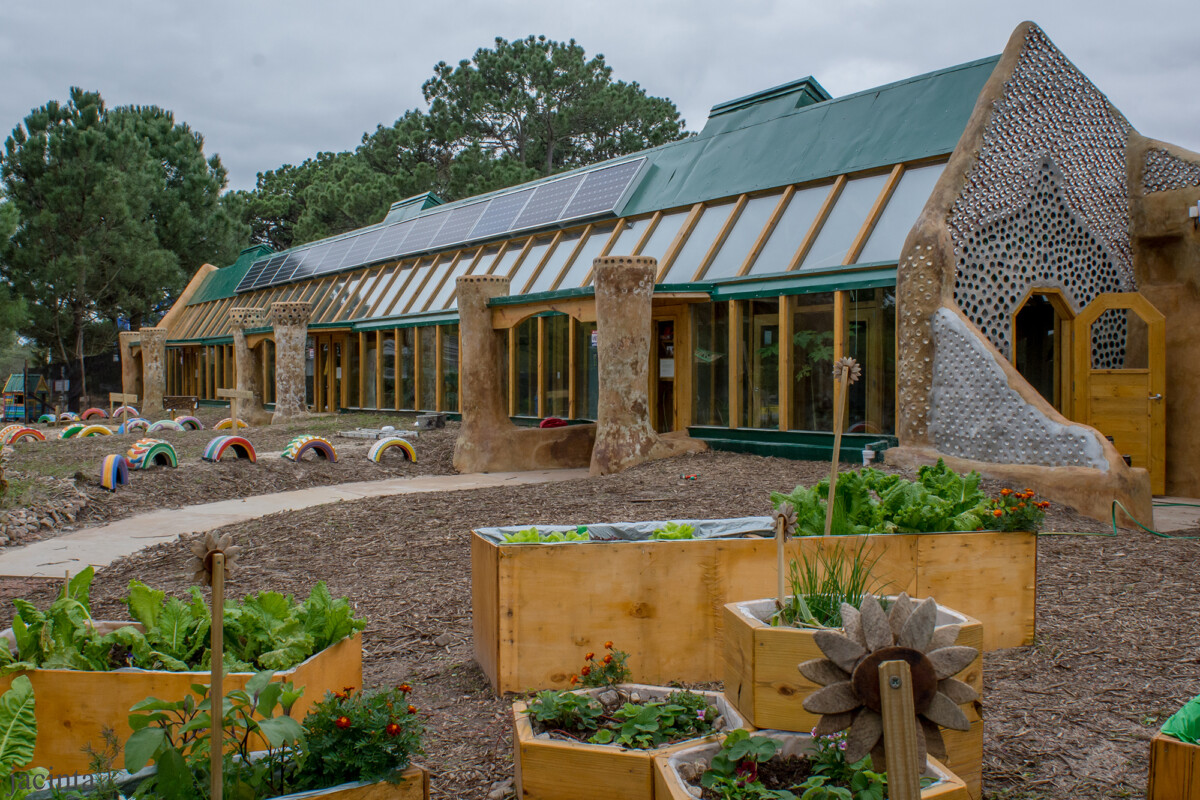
(1156, 397)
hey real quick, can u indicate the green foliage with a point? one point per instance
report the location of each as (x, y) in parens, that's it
(566, 710)
(1017, 511)
(266, 630)
(675, 530)
(359, 736)
(820, 585)
(732, 773)
(868, 501)
(647, 725)
(18, 728)
(608, 670)
(533, 536)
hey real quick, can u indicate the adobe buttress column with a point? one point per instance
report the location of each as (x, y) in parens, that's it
(290, 321)
(483, 435)
(248, 362)
(154, 370)
(131, 376)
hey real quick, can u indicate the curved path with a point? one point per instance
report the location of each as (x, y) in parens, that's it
(101, 545)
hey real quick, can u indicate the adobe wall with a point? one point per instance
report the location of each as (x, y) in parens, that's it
(290, 323)
(248, 362)
(154, 370)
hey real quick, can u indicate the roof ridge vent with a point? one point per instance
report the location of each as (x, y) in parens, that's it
(807, 89)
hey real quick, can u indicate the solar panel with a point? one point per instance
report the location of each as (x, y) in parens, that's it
(256, 269)
(548, 202)
(391, 241)
(283, 262)
(459, 225)
(335, 256)
(361, 249)
(423, 231)
(602, 189)
(500, 214)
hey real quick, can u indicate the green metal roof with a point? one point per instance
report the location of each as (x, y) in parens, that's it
(220, 284)
(16, 383)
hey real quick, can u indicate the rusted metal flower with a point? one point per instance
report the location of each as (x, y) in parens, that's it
(850, 675)
(203, 550)
(848, 365)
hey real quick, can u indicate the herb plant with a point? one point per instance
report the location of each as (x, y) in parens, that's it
(533, 536)
(820, 585)
(675, 530)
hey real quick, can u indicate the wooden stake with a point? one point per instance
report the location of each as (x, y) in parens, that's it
(780, 536)
(899, 731)
(839, 415)
(216, 691)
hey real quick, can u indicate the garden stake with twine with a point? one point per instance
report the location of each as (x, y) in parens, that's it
(213, 558)
(845, 372)
(785, 526)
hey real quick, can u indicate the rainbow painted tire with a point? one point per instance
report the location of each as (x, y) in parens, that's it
(164, 425)
(68, 416)
(147, 453)
(227, 424)
(241, 448)
(72, 429)
(403, 445)
(128, 411)
(132, 425)
(297, 448)
(189, 423)
(98, 413)
(95, 430)
(114, 472)
(23, 435)
(8, 429)
(46, 419)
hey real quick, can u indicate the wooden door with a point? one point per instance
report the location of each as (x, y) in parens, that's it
(1119, 390)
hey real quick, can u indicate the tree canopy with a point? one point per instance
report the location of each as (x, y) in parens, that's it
(115, 209)
(512, 113)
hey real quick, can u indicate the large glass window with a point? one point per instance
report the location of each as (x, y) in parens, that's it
(871, 341)
(581, 266)
(844, 222)
(900, 215)
(698, 243)
(630, 235)
(562, 251)
(664, 234)
(811, 386)
(449, 356)
(587, 372)
(388, 355)
(526, 379)
(406, 378)
(352, 362)
(710, 363)
(440, 273)
(729, 259)
(504, 264)
(427, 341)
(370, 367)
(537, 252)
(557, 365)
(793, 226)
(760, 364)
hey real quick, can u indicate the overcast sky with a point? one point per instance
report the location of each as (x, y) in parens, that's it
(273, 82)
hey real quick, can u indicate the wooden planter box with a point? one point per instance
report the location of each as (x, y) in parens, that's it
(763, 682)
(538, 607)
(415, 786)
(668, 785)
(74, 706)
(551, 769)
(1174, 769)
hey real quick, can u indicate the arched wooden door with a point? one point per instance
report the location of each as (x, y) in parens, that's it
(1120, 377)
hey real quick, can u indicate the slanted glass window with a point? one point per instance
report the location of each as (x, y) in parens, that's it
(420, 273)
(377, 290)
(900, 214)
(844, 222)
(664, 234)
(871, 341)
(449, 357)
(392, 296)
(556, 365)
(587, 371)
(630, 235)
(793, 226)
(526, 355)
(710, 363)
(434, 282)
(812, 360)
(427, 341)
(698, 243)
(504, 264)
(554, 264)
(760, 364)
(582, 265)
(443, 295)
(729, 259)
(534, 257)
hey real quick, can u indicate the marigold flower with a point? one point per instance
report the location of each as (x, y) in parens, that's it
(589, 656)
(349, 690)
(392, 729)
(574, 679)
(608, 659)
(1021, 505)
(340, 695)
(585, 671)
(342, 722)
(412, 709)
(1005, 492)
(999, 512)
(404, 687)
(608, 645)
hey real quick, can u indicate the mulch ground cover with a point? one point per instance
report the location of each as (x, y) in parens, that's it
(1070, 717)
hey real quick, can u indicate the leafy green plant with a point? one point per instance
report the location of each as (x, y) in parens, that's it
(675, 530)
(820, 585)
(608, 670)
(101, 772)
(359, 736)
(647, 725)
(566, 710)
(1017, 511)
(18, 735)
(732, 773)
(533, 536)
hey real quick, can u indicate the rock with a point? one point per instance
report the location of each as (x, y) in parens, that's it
(635, 697)
(442, 640)
(692, 770)
(609, 697)
(500, 789)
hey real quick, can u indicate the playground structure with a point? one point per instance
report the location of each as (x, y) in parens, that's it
(17, 402)
(300, 446)
(147, 453)
(240, 447)
(114, 472)
(403, 445)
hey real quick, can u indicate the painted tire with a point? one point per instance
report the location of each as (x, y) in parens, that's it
(94, 412)
(71, 430)
(7, 430)
(114, 472)
(95, 430)
(164, 425)
(227, 424)
(147, 453)
(129, 411)
(403, 445)
(133, 425)
(23, 434)
(297, 448)
(190, 423)
(241, 448)
(68, 416)
(46, 419)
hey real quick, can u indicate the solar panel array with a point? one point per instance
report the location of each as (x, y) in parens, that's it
(560, 200)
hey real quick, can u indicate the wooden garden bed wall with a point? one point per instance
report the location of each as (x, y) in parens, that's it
(537, 608)
(1174, 769)
(73, 707)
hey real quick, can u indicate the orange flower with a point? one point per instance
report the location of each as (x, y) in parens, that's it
(999, 512)
(608, 645)
(1005, 492)
(1021, 505)
(585, 671)
(342, 722)
(349, 690)
(404, 687)
(412, 709)
(392, 729)
(574, 679)
(608, 659)
(589, 656)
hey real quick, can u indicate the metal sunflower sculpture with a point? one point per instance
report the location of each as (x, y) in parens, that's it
(850, 675)
(203, 550)
(848, 365)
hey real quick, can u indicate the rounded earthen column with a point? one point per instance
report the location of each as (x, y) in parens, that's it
(131, 375)
(485, 422)
(154, 369)
(248, 362)
(290, 321)
(624, 296)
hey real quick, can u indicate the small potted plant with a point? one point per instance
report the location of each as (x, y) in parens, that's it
(598, 741)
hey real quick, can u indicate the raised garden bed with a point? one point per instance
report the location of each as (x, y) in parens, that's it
(552, 769)
(535, 605)
(763, 683)
(670, 769)
(414, 786)
(1174, 769)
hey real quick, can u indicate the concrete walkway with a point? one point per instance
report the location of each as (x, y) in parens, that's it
(1169, 518)
(103, 544)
